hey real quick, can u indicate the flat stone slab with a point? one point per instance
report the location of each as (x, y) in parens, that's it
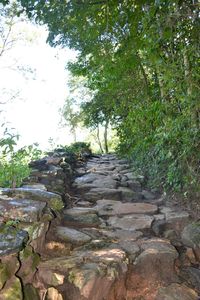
(174, 216)
(84, 220)
(37, 186)
(53, 200)
(108, 182)
(87, 178)
(119, 208)
(131, 222)
(128, 194)
(102, 193)
(107, 255)
(175, 292)
(61, 264)
(22, 210)
(126, 235)
(72, 236)
(79, 211)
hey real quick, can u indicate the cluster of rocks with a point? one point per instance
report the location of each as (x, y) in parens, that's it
(26, 214)
(25, 217)
(119, 242)
(54, 172)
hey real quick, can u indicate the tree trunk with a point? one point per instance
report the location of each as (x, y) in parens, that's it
(195, 108)
(98, 139)
(106, 136)
(187, 73)
(73, 130)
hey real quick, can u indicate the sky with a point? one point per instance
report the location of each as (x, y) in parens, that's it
(33, 98)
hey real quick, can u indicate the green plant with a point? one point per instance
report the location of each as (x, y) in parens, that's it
(14, 163)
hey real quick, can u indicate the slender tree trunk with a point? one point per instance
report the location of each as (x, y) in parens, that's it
(74, 134)
(145, 77)
(195, 109)
(106, 136)
(187, 73)
(99, 140)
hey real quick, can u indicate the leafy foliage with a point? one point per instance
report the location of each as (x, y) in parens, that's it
(76, 151)
(141, 60)
(14, 164)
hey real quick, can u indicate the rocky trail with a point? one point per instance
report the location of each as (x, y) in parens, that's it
(118, 241)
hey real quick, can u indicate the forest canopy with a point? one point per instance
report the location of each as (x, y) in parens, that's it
(141, 59)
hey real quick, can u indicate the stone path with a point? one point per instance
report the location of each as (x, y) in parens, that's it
(120, 240)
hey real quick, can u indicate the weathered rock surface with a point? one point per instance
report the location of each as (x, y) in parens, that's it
(102, 193)
(119, 208)
(192, 276)
(12, 240)
(24, 210)
(53, 200)
(176, 292)
(105, 247)
(72, 236)
(131, 222)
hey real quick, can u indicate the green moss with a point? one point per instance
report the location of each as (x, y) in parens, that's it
(28, 253)
(4, 274)
(36, 260)
(14, 291)
(56, 204)
(30, 293)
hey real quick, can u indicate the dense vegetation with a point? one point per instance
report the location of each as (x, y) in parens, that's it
(140, 58)
(14, 164)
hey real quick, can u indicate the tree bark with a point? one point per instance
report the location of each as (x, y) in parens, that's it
(99, 140)
(106, 136)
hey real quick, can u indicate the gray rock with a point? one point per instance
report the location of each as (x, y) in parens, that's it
(84, 220)
(128, 195)
(88, 178)
(148, 195)
(12, 240)
(131, 222)
(134, 185)
(131, 248)
(192, 277)
(22, 210)
(53, 200)
(176, 292)
(159, 226)
(72, 236)
(105, 183)
(191, 235)
(177, 220)
(102, 193)
(37, 186)
(79, 211)
(127, 235)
